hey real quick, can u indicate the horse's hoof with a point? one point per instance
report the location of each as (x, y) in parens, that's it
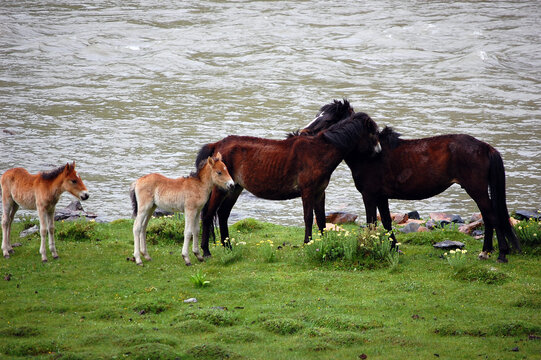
(140, 264)
(188, 264)
(11, 251)
(148, 258)
(55, 257)
(207, 256)
(483, 255)
(6, 256)
(44, 260)
(199, 257)
(502, 260)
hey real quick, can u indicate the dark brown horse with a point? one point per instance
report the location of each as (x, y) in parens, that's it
(419, 169)
(299, 166)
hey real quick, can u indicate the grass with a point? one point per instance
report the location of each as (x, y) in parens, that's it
(93, 303)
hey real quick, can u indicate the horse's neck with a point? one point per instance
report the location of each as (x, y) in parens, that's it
(205, 179)
(56, 189)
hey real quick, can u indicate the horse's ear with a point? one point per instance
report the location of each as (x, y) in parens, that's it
(73, 164)
(218, 156)
(67, 167)
(210, 160)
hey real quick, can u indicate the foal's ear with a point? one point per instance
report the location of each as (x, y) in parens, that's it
(210, 160)
(218, 156)
(69, 167)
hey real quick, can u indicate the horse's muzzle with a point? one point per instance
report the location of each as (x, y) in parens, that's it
(84, 196)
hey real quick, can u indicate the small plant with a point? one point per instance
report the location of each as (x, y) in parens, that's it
(232, 252)
(199, 279)
(166, 230)
(456, 258)
(529, 232)
(381, 248)
(332, 246)
(267, 251)
(79, 230)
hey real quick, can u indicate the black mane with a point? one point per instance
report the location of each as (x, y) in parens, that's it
(52, 174)
(345, 134)
(389, 136)
(327, 116)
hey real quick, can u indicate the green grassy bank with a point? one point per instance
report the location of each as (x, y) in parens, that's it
(268, 298)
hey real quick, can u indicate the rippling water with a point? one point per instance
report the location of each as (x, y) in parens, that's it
(129, 88)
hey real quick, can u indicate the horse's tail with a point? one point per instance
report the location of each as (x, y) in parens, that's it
(133, 198)
(205, 151)
(497, 195)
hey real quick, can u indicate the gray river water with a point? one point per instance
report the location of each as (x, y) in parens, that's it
(126, 88)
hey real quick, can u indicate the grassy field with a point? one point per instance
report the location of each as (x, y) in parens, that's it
(269, 298)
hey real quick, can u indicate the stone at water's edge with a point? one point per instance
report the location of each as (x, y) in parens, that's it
(449, 245)
(411, 227)
(528, 214)
(340, 217)
(74, 211)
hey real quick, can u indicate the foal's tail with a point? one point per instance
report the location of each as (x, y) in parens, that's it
(133, 198)
(497, 194)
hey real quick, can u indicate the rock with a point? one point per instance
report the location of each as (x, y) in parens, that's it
(29, 231)
(9, 132)
(411, 227)
(414, 215)
(190, 300)
(422, 229)
(528, 214)
(74, 211)
(399, 218)
(430, 224)
(161, 213)
(449, 245)
(468, 228)
(445, 218)
(478, 233)
(456, 219)
(475, 217)
(340, 217)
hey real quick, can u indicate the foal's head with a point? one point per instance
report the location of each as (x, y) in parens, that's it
(72, 182)
(219, 174)
(328, 115)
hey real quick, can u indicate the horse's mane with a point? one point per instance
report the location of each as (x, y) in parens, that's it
(345, 134)
(389, 136)
(328, 115)
(52, 174)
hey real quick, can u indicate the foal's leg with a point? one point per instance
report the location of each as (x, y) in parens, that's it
(188, 231)
(139, 228)
(143, 236)
(50, 229)
(195, 245)
(9, 209)
(43, 230)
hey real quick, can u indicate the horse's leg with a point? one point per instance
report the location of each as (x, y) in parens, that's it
(143, 235)
(308, 209)
(224, 211)
(189, 215)
(14, 209)
(195, 245)
(9, 210)
(207, 218)
(319, 209)
(481, 198)
(139, 229)
(385, 213)
(371, 210)
(50, 230)
(43, 230)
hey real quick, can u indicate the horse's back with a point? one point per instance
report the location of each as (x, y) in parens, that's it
(166, 193)
(18, 184)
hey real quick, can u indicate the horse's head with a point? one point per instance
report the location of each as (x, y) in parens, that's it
(370, 143)
(358, 134)
(72, 182)
(328, 115)
(219, 174)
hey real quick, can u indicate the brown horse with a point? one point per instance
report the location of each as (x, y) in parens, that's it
(188, 194)
(41, 192)
(422, 168)
(299, 166)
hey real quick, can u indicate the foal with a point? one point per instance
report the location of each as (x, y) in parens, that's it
(188, 194)
(41, 192)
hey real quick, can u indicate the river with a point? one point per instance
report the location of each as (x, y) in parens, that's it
(126, 88)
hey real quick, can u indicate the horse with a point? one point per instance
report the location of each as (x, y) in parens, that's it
(41, 191)
(422, 168)
(299, 166)
(188, 194)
